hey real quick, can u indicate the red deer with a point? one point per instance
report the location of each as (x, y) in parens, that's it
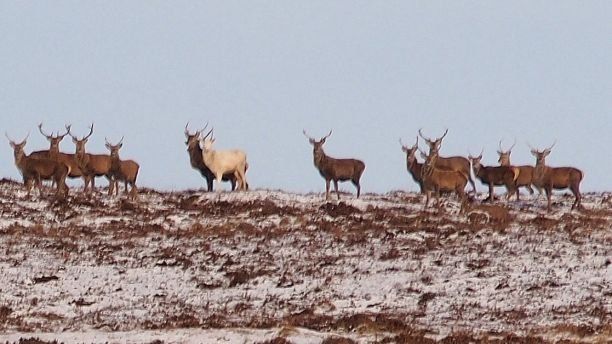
(495, 176)
(91, 165)
(454, 163)
(197, 161)
(525, 177)
(121, 170)
(335, 169)
(34, 171)
(224, 162)
(412, 165)
(550, 178)
(438, 181)
(54, 153)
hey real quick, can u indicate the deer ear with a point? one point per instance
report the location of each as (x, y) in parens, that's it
(534, 152)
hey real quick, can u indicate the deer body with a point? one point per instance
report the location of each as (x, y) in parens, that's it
(414, 167)
(551, 178)
(53, 153)
(336, 170)
(225, 162)
(122, 170)
(34, 170)
(525, 172)
(197, 161)
(495, 176)
(453, 163)
(91, 165)
(436, 181)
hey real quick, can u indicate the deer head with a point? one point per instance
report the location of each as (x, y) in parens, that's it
(410, 151)
(80, 143)
(541, 155)
(504, 156)
(318, 145)
(475, 160)
(434, 145)
(114, 149)
(54, 140)
(193, 140)
(18, 147)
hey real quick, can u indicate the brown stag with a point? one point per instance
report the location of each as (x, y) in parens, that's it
(332, 169)
(437, 180)
(495, 176)
(453, 163)
(122, 170)
(34, 171)
(550, 178)
(412, 165)
(525, 177)
(54, 153)
(91, 165)
(197, 162)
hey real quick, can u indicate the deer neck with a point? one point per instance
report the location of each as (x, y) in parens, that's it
(320, 159)
(195, 155)
(477, 168)
(20, 159)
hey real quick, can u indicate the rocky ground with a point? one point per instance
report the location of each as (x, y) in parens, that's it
(275, 267)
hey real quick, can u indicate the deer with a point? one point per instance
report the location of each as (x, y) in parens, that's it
(454, 163)
(34, 170)
(220, 163)
(439, 180)
(412, 165)
(197, 162)
(549, 178)
(91, 165)
(495, 176)
(525, 177)
(121, 170)
(332, 169)
(54, 153)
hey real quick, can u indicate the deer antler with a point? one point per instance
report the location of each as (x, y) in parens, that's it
(66, 133)
(43, 133)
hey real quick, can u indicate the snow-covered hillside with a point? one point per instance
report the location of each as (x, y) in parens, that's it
(263, 265)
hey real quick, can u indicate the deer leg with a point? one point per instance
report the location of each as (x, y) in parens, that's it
(578, 198)
(356, 183)
(548, 198)
(327, 181)
(209, 183)
(233, 183)
(427, 196)
(243, 181)
(491, 194)
(336, 188)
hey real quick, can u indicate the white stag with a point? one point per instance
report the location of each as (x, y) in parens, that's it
(233, 161)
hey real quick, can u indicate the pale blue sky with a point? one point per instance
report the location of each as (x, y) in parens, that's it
(261, 71)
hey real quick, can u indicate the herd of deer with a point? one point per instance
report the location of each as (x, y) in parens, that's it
(435, 175)
(56, 166)
(439, 174)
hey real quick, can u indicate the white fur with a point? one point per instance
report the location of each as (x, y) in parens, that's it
(224, 162)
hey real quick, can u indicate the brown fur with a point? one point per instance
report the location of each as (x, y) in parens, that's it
(437, 180)
(34, 171)
(91, 165)
(122, 170)
(495, 176)
(335, 170)
(550, 178)
(525, 176)
(453, 163)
